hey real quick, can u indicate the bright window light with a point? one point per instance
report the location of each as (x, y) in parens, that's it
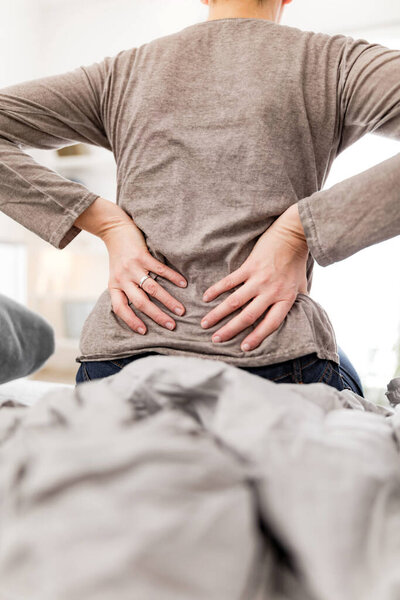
(13, 271)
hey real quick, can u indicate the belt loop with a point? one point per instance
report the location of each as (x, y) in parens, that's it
(297, 370)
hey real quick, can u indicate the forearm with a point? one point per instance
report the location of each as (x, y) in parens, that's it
(39, 198)
(49, 113)
(358, 212)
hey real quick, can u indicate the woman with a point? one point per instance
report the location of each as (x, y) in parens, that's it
(223, 134)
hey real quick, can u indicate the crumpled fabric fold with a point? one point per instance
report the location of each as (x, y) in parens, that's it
(184, 478)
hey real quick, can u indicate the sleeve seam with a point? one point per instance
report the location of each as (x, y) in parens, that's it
(39, 190)
(67, 229)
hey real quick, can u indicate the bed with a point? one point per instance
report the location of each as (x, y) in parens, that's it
(185, 479)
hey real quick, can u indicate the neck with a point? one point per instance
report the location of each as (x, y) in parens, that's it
(243, 9)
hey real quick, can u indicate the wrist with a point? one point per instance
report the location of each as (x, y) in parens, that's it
(103, 219)
(290, 227)
(292, 222)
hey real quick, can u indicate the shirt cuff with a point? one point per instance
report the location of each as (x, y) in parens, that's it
(310, 230)
(67, 231)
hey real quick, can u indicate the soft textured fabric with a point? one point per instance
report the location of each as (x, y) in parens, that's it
(216, 129)
(188, 479)
(26, 340)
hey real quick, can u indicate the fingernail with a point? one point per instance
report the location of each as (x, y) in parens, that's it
(206, 297)
(169, 325)
(182, 283)
(216, 338)
(246, 347)
(141, 330)
(178, 311)
(204, 323)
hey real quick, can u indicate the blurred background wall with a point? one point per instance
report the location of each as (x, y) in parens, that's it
(46, 37)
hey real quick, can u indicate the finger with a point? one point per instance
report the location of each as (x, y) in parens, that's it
(225, 284)
(272, 321)
(155, 266)
(245, 293)
(141, 301)
(120, 307)
(244, 319)
(154, 289)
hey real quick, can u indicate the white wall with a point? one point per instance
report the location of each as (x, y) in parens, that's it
(341, 16)
(19, 40)
(88, 31)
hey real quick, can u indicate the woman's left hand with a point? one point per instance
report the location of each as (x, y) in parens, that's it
(273, 274)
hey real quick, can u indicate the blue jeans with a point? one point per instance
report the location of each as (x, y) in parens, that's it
(305, 369)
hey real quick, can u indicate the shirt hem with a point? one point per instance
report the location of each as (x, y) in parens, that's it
(271, 359)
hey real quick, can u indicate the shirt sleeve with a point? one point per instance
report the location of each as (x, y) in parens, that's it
(364, 209)
(50, 112)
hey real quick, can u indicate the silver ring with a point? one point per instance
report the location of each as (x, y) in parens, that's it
(143, 280)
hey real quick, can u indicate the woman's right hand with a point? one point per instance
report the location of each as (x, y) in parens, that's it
(129, 260)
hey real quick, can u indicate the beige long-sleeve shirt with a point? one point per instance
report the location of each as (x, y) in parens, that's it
(215, 130)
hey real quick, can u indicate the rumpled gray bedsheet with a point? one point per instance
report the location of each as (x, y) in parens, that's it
(190, 479)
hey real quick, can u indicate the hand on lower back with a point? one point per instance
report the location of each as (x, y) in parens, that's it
(130, 260)
(272, 276)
